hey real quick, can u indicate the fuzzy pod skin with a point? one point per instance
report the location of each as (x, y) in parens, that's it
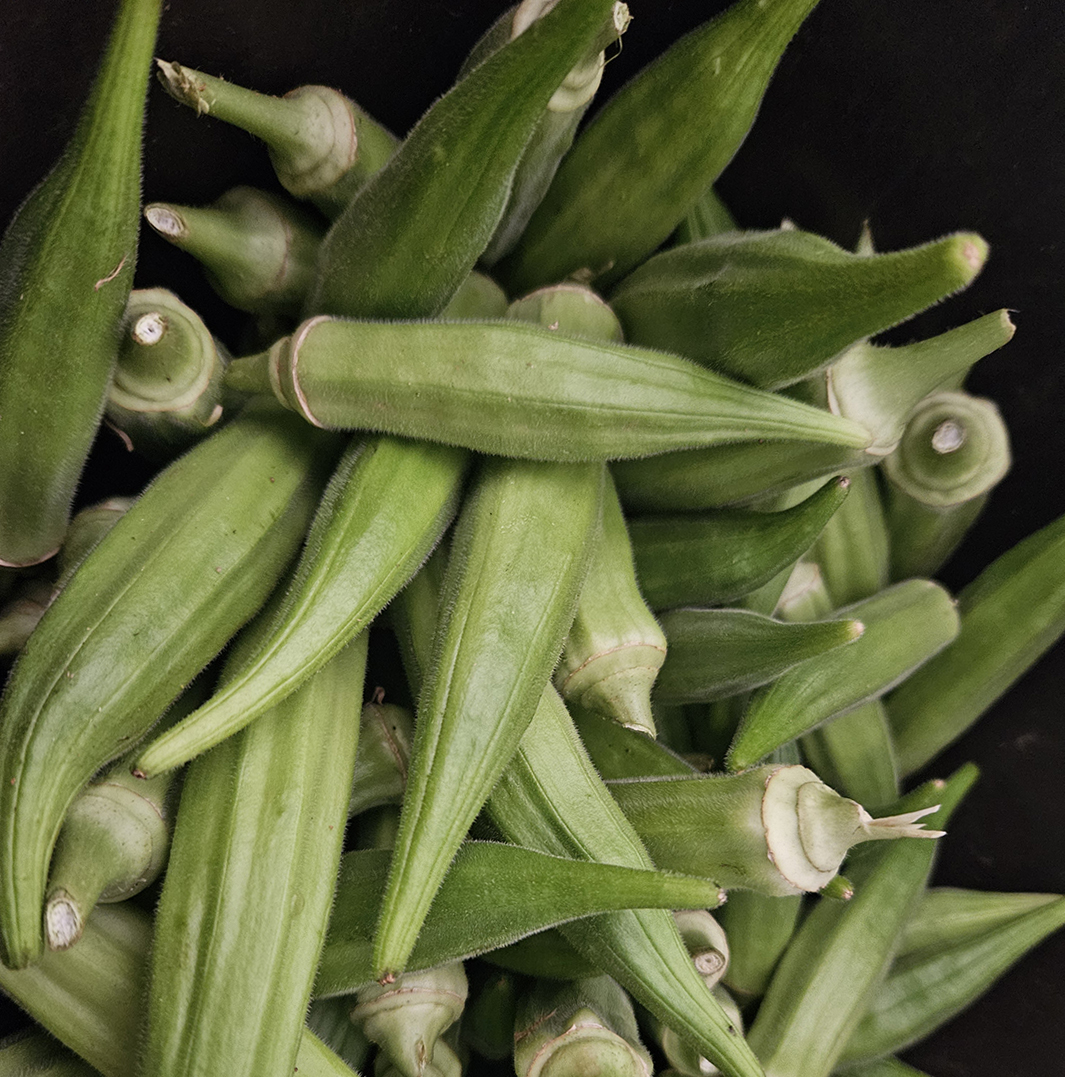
(925, 988)
(386, 733)
(153, 603)
(585, 1026)
(820, 988)
(551, 798)
(771, 308)
(91, 996)
(637, 170)
(879, 387)
(246, 900)
(86, 530)
(518, 893)
(721, 476)
(719, 557)
(905, 626)
(166, 392)
(477, 297)
(518, 390)
(618, 752)
(518, 559)
(775, 829)
(759, 928)
(921, 538)
(384, 509)
(716, 653)
(683, 1060)
(257, 250)
(416, 229)
(322, 145)
(1010, 615)
(66, 268)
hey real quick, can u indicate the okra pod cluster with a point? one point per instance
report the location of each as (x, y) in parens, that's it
(538, 556)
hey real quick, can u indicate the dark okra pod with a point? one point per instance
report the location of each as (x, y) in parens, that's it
(257, 250)
(517, 892)
(905, 626)
(37, 1054)
(820, 987)
(66, 268)
(635, 172)
(926, 987)
(518, 390)
(166, 392)
(775, 829)
(585, 1026)
(322, 145)
(546, 954)
(257, 841)
(22, 612)
(384, 509)
(545, 800)
(518, 559)
(879, 387)
(91, 997)
(770, 308)
(718, 557)
(759, 928)
(724, 475)
(330, 1020)
(386, 733)
(1010, 615)
(488, 1023)
(415, 230)
(155, 601)
(954, 450)
(716, 653)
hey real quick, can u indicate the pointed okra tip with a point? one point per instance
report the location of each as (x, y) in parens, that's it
(966, 253)
(183, 86)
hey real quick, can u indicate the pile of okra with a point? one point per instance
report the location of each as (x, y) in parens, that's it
(530, 627)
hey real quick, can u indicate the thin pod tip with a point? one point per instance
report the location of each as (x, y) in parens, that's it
(62, 921)
(181, 86)
(165, 220)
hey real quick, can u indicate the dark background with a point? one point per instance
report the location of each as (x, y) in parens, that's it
(920, 118)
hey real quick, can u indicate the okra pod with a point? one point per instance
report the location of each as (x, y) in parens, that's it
(775, 829)
(411, 235)
(518, 559)
(708, 217)
(386, 733)
(635, 172)
(384, 509)
(37, 1054)
(1010, 614)
(322, 145)
(66, 268)
(584, 1026)
(257, 842)
(771, 308)
(518, 390)
(716, 653)
(905, 626)
(488, 1023)
(156, 600)
(819, 989)
(924, 989)
(257, 250)
(759, 928)
(624, 753)
(717, 557)
(21, 614)
(685, 1061)
(166, 392)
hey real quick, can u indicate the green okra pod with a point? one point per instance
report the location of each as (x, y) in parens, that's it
(385, 507)
(624, 753)
(518, 559)
(706, 942)
(708, 217)
(477, 297)
(683, 1059)
(635, 172)
(879, 387)
(155, 601)
(759, 928)
(86, 530)
(66, 268)
(415, 230)
(716, 653)
(1010, 615)
(37, 1054)
(925, 988)
(91, 997)
(546, 954)
(584, 1026)
(386, 733)
(820, 987)
(724, 475)
(166, 392)
(322, 145)
(257, 250)
(517, 892)
(330, 1020)
(775, 829)
(718, 557)
(257, 841)
(771, 308)
(22, 612)
(488, 1023)
(518, 390)
(905, 626)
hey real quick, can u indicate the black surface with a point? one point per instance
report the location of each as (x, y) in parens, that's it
(922, 118)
